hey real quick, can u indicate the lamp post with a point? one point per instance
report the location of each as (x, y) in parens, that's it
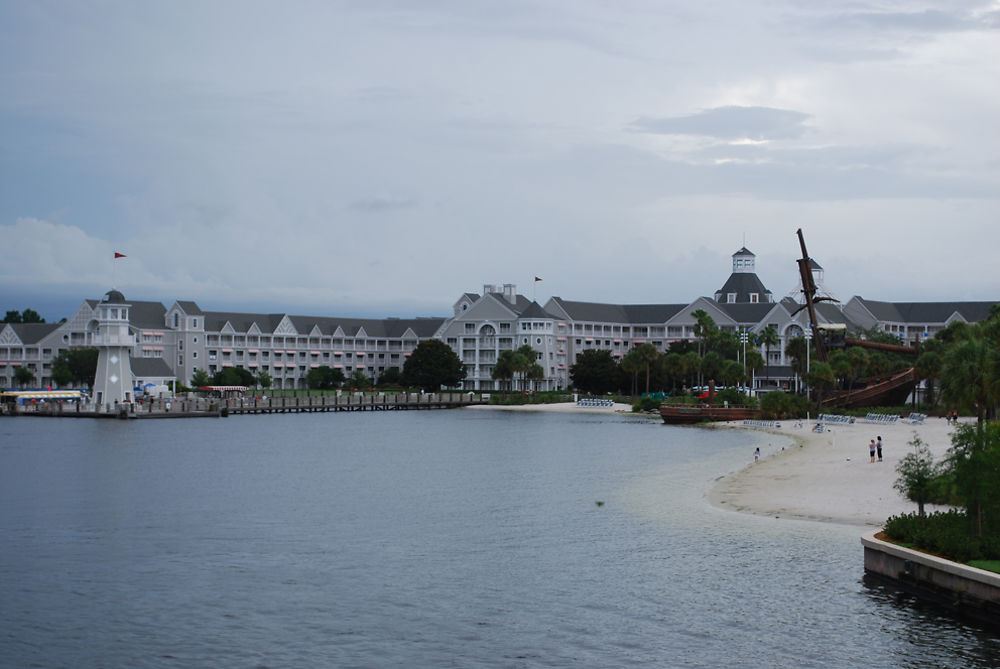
(808, 336)
(743, 339)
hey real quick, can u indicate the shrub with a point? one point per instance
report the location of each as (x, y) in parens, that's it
(944, 533)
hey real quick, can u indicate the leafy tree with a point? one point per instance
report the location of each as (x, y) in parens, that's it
(821, 378)
(768, 337)
(731, 373)
(878, 363)
(263, 379)
(796, 349)
(841, 366)
(595, 371)
(390, 377)
(199, 378)
(692, 366)
(918, 475)
(970, 375)
(505, 368)
(535, 374)
(324, 378)
(632, 364)
(648, 356)
(27, 316)
(526, 357)
(232, 376)
(433, 364)
(23, 375)
(359, 380)
(754, 362)
(711, 365)
(779, 404)
(858, 358)
(75, 366)
(673, 367)
(973, 463)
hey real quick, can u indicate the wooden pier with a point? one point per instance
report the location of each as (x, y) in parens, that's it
(207, 407)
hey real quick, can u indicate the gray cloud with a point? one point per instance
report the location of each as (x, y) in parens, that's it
(927, 21)
(731, 122)
(379, 204)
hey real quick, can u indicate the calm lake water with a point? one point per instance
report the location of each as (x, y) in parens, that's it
(425, 539)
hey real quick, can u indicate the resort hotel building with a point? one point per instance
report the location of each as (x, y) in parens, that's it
(170, 343)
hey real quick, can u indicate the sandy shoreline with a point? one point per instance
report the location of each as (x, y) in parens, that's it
(820, 476)
(828, 476)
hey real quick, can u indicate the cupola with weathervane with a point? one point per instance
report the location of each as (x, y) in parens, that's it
(743, 285)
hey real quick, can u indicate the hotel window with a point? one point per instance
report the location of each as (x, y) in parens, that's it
(754, 299)
(731, 297)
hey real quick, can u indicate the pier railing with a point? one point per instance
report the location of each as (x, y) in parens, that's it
(257, 404)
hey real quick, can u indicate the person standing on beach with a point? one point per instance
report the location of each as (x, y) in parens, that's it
(871, 451)
(878, 447)
(756, 454)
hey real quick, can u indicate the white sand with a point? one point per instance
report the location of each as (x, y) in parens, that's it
(829, 476)
(823, 476)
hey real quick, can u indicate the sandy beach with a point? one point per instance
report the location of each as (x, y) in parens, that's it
(828, 476)
(823, 476)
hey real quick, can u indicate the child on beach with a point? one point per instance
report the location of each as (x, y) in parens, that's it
(871, 451)
(756, 454)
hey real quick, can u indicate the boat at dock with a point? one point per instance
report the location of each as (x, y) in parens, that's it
(686, 414)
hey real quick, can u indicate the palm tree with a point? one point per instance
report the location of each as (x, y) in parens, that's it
(768, 337)
(632, 364)
(503, 370)
(673, 366)
(970, 375)
(647, 354)
(692, 365)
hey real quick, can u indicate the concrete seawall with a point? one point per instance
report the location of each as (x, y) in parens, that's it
(967, 591)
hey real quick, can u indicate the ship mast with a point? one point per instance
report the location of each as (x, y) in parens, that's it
(809, 291)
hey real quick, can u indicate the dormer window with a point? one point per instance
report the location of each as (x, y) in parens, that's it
(731, 298)
(754, 298)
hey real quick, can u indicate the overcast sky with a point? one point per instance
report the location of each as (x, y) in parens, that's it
(383, 157)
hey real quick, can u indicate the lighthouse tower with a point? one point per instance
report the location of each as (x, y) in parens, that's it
(113, 382)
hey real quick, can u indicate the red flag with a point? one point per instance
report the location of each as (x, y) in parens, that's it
(119, 255)
(537, 279)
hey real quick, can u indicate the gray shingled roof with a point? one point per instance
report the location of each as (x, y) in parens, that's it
(535, 310)
(927, 312)
(619, 313)
(746, 312)
(241, 321)
(32, 333)
(743, 283)
(190, 308)
(144, 367)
